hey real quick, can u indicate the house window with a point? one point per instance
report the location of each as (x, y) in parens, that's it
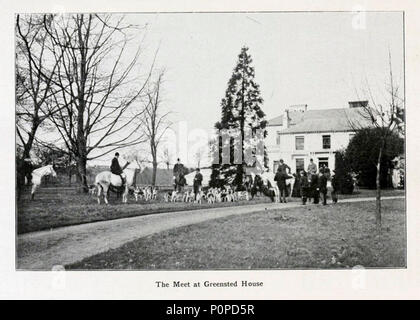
(300, 142)
(326, 142)
(275, 165)
(278, 139)
(300, 164)
(322, 162)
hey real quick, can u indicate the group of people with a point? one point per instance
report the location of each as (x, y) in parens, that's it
(308, 185)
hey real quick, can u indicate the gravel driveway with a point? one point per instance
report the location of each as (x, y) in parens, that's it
(44, 249)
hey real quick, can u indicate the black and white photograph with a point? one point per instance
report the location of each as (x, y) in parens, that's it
(210, 141)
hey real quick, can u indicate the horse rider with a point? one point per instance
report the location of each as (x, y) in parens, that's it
(116, 168)
(312, 169)
(178, 172)
(282, 168)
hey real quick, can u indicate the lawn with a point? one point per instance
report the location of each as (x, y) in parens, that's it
(54, 208)
(333, 236)
(58, 207)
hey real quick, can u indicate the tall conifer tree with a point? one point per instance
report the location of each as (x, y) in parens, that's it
(241, 110)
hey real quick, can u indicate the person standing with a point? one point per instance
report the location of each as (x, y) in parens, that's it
(304, 186)
(178, 173)
(198, 180)
(312, 169)
(334, 185)
(314, 188)
(280, 178)
(323, 186)
(296, 185)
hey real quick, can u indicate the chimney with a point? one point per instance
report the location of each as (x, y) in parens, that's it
(286, 119)
(358, 104)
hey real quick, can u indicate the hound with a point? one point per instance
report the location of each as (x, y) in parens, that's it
(199, 196)
(242, 195)
(138, 193)
(92, 189)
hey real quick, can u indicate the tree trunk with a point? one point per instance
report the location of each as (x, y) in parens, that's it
(69, 170)
(154, 172)
(378, 217)
(81, 176)
(240, 168)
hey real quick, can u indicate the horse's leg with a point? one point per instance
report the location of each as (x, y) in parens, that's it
(105, 190)
(99, 187)
(291, 190)
(34, 187)
(125, 194)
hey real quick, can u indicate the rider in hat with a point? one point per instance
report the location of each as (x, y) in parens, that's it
(116, 168)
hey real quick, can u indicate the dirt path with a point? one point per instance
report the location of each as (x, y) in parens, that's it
(44, 249)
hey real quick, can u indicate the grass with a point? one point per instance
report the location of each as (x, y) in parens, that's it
(54, 208)
(333, 236)
(59, 207)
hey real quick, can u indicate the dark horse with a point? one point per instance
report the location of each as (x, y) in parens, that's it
(257, 186)
(179, 182)
(23, 171)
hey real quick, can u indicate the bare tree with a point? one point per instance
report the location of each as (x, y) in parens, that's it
(34, 79)
(97, 85)
(154, 121)
(387, 118)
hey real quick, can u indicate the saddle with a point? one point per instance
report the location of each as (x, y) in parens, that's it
(115, 178)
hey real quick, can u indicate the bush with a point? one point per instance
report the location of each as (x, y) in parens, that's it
(362, 154)
(343, 176)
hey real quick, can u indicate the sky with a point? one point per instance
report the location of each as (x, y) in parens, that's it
(320, 59)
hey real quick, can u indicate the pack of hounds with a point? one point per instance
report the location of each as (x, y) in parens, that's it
(211, 195)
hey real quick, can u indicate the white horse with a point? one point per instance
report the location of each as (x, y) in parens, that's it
(37, 175)
(106, 180)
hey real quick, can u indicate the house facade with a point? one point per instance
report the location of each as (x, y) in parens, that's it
(299, 135)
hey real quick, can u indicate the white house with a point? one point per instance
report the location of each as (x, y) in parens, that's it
(299, 135)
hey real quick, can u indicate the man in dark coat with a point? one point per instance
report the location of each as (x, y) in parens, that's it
(116, 168)
(304, 186)
(323, 186)
(334, 185)
(281, 178)
(296, 185)
(315, 188)
(179, 172)
(198, 180)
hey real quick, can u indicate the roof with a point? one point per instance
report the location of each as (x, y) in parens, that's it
(325, 120)
(294, 118)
